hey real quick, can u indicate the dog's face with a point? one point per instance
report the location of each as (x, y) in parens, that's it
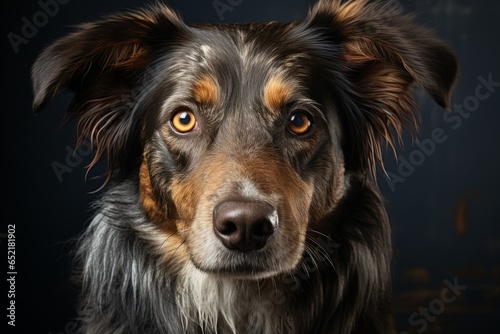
(246, 143)
(245, 136)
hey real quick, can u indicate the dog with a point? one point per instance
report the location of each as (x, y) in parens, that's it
(240, 192)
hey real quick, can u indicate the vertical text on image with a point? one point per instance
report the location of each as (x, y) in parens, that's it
(11, 274)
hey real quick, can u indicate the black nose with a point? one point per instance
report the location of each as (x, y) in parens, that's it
(244, 225)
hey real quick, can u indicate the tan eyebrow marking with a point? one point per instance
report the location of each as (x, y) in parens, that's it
(276, 94)
(205, 91)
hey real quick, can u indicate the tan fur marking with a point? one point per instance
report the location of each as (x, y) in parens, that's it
(164, 234)
(356, 52)
(130, 55)
(205, 91)
(148, 201)
(276, 94)
(350, 10)
(184, 196)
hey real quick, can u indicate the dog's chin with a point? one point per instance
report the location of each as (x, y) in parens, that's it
(243, 275)
(240, 271)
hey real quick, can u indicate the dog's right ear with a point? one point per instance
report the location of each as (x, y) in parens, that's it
(102, 62)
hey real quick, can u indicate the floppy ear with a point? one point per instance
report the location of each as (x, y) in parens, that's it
(382, 56)
(102, 62)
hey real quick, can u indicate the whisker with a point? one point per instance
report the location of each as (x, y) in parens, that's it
(324, 254)
(321, 234)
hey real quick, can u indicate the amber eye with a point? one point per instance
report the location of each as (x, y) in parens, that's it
(299, 123)
(184, 121)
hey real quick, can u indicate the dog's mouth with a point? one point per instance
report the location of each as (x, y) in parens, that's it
(243, 266)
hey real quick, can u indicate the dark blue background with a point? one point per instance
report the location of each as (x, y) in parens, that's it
(454, 187)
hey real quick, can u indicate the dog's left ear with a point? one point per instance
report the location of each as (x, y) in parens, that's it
(103, 63)
(382, 55)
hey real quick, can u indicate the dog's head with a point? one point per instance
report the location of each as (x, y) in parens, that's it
(245, 136)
